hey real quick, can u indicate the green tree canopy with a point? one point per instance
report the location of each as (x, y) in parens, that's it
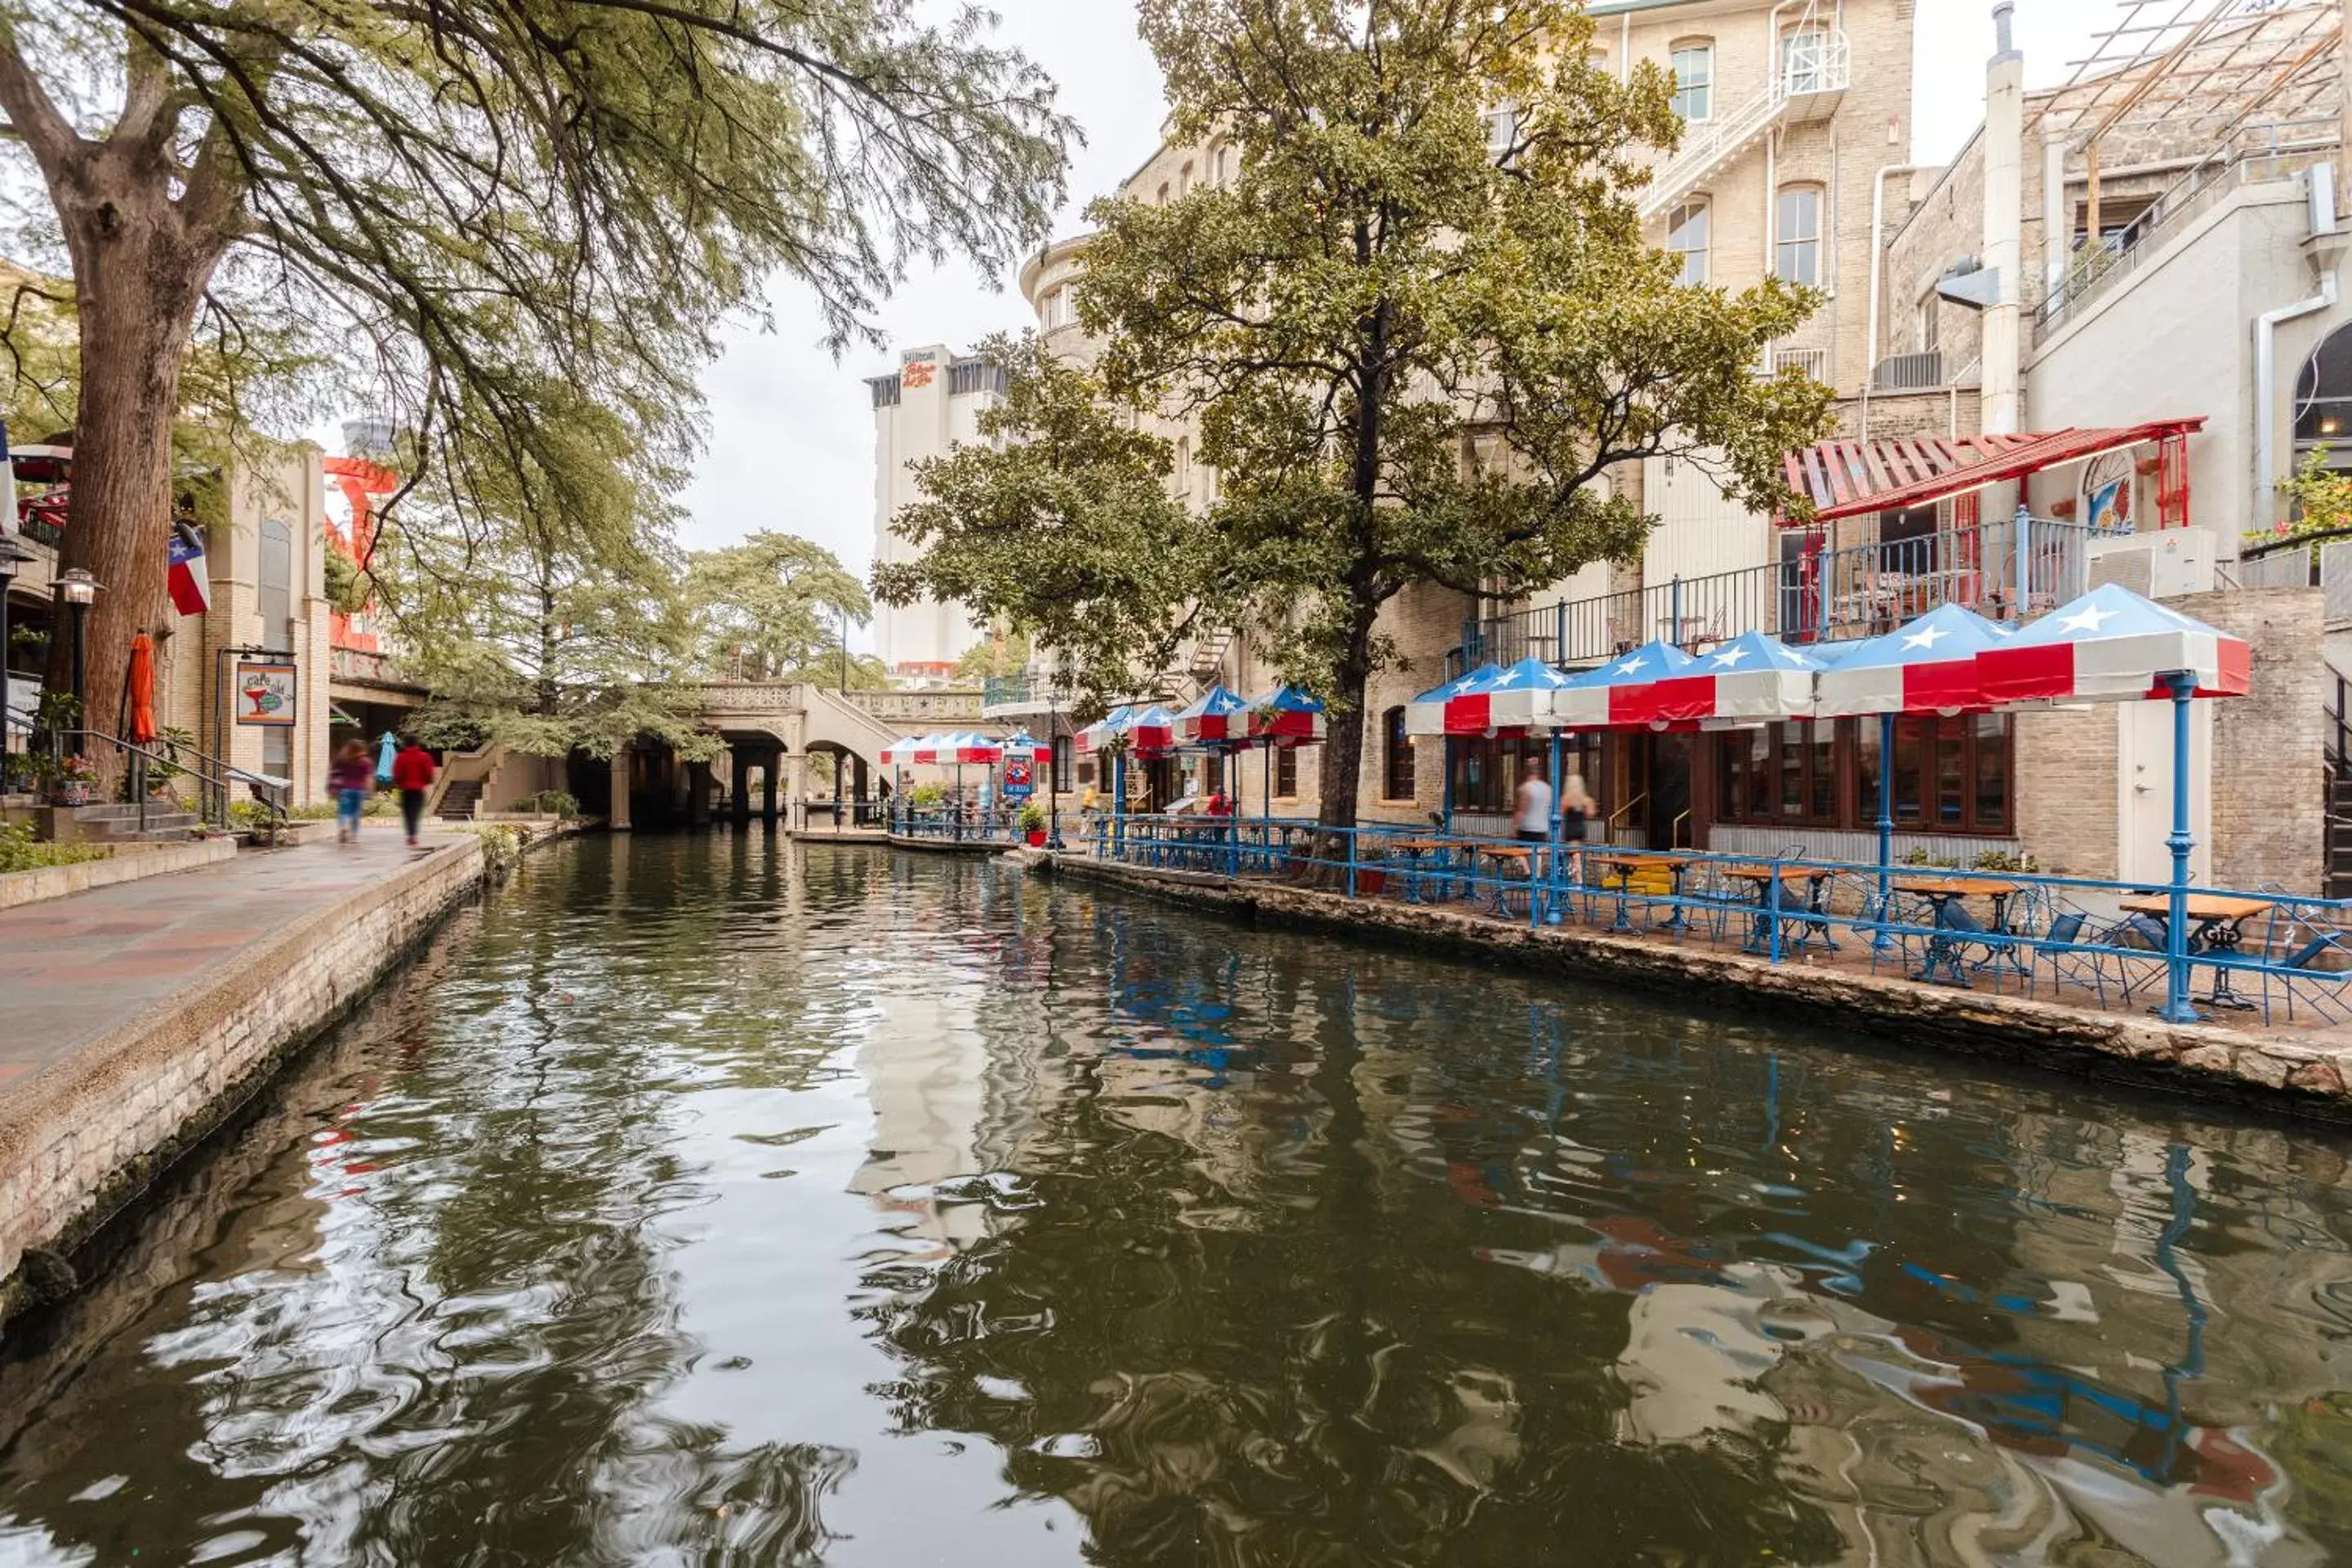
(772, 607)
(1417, 334)
(455, 203)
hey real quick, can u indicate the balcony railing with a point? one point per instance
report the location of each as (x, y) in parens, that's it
(1830, 596)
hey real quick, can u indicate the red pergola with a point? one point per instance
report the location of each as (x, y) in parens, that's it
(1857, 478)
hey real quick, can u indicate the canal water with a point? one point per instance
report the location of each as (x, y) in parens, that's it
(714, 1200)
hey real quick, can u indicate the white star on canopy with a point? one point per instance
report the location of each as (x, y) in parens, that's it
(2089, 618)
(1463, 685)
(1729, 657)
(1631, 665)
(1927, 637)
(1505, 679)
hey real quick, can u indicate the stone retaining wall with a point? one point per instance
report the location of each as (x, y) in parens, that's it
(83, 1137)
(2303, 1075)
(126, 863)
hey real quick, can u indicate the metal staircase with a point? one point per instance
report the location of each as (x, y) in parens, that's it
(1812, 69)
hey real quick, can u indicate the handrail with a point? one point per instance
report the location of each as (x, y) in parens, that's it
(1617, 818)
(270, 792)
(1674, 831)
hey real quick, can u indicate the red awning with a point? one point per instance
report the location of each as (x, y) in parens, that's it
(1854, 479)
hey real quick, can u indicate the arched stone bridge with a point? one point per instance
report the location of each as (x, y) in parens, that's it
(778, 726)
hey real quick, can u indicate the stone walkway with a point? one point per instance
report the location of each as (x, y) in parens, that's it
(73, 968)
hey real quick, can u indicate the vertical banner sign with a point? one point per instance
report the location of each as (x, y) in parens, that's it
(265, 692)
(1020, 782)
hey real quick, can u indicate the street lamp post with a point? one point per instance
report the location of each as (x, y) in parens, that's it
(1053, 761)
(77, 588)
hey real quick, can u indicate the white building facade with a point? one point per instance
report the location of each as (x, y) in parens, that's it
(931, 402)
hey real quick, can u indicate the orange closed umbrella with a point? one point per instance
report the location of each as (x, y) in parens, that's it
(142, 689)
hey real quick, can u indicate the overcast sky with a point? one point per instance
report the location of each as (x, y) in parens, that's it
(792, 436)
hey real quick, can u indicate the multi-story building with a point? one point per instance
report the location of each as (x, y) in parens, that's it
(932, 402)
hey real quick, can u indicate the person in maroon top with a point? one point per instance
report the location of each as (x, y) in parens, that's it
(412, 775)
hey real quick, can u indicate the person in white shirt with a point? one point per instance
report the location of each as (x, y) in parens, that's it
(1533, 821)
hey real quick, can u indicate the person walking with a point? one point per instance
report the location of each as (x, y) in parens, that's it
(350, 779)
(412, 775)
(1576, 810)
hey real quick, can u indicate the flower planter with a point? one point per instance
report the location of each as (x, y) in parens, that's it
(76, 794)
(1037, 838)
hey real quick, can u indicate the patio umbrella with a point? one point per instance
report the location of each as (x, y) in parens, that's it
(1219, 719)
(1617, 695)
(1290, 718)
(140, 690)
(1426, 714)
(1519, 697)
(2112, 646)
(1151, 731)
(1925, 666)
(1104, 732)
(966, 746)
(1754, 678)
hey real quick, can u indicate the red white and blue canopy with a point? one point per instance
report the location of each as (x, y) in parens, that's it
(1022, 743)
(1426, 714)
(900, 752)
(1617, 695)
(1289, 718)
(1518, 697)
(1753, 679)
(2112, 646)
(1218, 719)
(1927, 665)
(1104, 732)
(957, 747)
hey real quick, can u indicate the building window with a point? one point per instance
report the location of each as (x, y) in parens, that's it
(275, 585)
(1183, 465)
(1686, 237)
(1954, 774)
(1798, 253)
(1396, 757)
(1502, 132)
(1184, 181)
(1693, 80)
(1930, 322)
(1804, 62)
(1061, 779)
(1224, 166)
(1486, 772)
(1163, 192)
(1062, 306)
(2323, 393)
(1286, 771)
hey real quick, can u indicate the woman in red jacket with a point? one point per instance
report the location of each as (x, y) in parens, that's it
(412, 775)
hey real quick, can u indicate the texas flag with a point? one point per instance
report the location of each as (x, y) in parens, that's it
(192, 592)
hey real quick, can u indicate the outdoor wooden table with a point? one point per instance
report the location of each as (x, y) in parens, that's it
(2220, 921)
(1415, 849)
(1622, 866)
(1508, 854)
(1944, 950)
(1760, 939)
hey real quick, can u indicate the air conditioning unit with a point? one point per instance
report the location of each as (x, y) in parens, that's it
(2160, 566)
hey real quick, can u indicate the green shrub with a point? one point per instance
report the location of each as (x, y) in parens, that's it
(560, 803)
(20, 851)
(924, 796)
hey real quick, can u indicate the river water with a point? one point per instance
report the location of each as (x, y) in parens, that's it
(714, 1200)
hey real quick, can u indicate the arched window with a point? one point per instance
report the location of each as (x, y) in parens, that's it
(1224, 166)
(1163, 192)
(1694, 67)
(1796, 249)
(1184, 181)
(1686, 237)
(2323, 393)
(1396, 757)
(1184, 465)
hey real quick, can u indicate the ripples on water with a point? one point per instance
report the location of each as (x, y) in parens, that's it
(701, 1201)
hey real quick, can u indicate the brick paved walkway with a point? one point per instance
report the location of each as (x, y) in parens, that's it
(72, 968)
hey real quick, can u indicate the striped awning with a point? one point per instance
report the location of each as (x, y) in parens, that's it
(1853, 479)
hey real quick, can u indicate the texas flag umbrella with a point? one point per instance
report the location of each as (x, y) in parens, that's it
(2112, 646)
(1754, 678)
(1426, 714)
(1218, 719)
(1927, 665)
(1621, 693)
(1289, 718)
(1022, 745)
(959, 747)
(1151, 731)
(900, 754)
(1518, 697)
(1104, 732)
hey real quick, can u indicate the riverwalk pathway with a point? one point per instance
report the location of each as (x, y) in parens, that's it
(76, 969)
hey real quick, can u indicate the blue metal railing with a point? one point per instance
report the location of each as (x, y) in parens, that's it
(1939, 924)
(1828, 595)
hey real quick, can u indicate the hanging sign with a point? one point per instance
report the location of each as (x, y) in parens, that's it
(1020, 779)
(265, 692)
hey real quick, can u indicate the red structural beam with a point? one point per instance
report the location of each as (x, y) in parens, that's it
(1854, 479)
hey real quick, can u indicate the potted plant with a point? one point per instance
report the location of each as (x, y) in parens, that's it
(75, 779)
(1033, 825)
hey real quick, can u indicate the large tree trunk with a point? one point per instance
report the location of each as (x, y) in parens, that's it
(138, 278)
(1343, 737)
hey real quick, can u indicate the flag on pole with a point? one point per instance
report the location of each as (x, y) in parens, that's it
(190, 588)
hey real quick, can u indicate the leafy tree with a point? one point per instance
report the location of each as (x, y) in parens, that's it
(772, 607)
(2323, 501)
(995, 658)
(461, 200)
(542, 607)
(1415, 338)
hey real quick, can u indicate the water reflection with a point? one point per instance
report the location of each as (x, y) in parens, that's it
(702, 1200)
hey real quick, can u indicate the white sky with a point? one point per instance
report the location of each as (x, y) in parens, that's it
(790, 441)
